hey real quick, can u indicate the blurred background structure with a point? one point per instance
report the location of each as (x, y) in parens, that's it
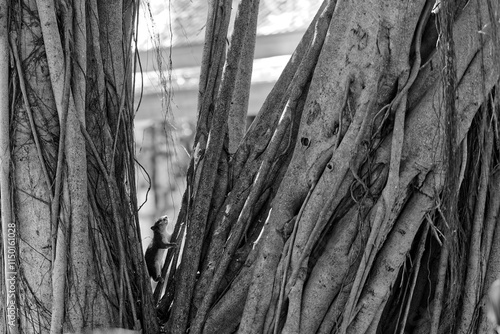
(170, 43)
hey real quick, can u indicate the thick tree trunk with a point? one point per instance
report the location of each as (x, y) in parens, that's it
(369, 146)
(71, 111)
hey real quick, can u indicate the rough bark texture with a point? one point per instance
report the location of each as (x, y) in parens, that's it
(80, 258)
(378, 143)
(376, 128)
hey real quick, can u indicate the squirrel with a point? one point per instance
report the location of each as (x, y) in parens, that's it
(157, 246)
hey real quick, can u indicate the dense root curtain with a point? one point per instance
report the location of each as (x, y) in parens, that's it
(364, 196)
(72, 167)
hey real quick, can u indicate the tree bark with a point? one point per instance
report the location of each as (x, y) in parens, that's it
(81, 265)
(379, 144)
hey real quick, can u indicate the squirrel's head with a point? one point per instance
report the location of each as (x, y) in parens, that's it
(160, 224)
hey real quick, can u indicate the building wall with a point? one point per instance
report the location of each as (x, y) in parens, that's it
(271, 55)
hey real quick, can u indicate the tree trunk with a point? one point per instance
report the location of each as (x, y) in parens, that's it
(377, 150)
(80, 263)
